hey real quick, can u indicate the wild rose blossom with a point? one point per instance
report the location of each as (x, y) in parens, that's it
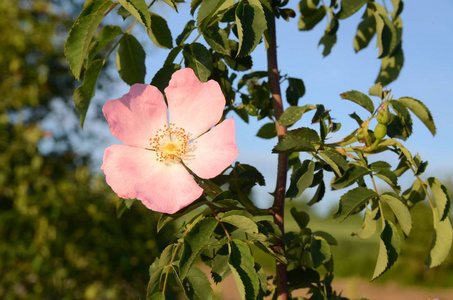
(150, 166)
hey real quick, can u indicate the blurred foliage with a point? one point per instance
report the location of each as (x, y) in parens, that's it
(60, 235)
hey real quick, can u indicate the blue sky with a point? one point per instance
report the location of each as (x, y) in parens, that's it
(426, 75)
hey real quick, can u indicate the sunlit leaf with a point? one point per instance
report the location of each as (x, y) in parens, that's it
(400, 210)
(251, 24)
(293, 114)
(302, 139)
(301, 179)
(139, 9)
(441, 196)
(389, 249)
(320, 250)
(442, 240)
(196, 285)
(349, 7)
(359, 98)
(369, 225)
(353, 200)
(421, 111)
(101, 39)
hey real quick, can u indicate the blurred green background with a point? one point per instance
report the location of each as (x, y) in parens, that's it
(60, 237)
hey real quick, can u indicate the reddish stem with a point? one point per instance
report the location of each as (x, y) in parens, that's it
(282, 168)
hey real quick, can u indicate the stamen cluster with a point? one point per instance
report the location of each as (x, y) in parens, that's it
(170, 143)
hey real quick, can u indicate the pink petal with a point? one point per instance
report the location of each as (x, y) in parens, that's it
(168, 189)
(214, 151)
(193, 105)
(134, 173)
(135, 117)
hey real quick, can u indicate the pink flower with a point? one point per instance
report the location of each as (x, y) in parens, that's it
(150, 166)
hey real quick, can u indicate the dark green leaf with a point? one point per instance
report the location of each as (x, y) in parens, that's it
(415, 193)
(328, 40)
(401, 124)
(380, 165)
(389, 249)
(308, 21)
(302, 139)
(251, 24)
(335, 160)
(421, 111)
(220, 269)
(241, 263)
(441, 196)
(351, 175)
(198, 58)
(163, 76)
(400, 210)
(123, 12)
(217, 38)
(139, 9)
(319, 194)
(188, 28)
(365, 32)
(293, 114)
(326, 236)
(301, 217)
(369, 225)
(102, 38)
(159, 32)
(81, 34)
(239, 63)
(350, 7)
(130, 60)
(390, 178)
(295, 91)
(442, 240)
(359, 98)
(122, 205)
(207, 10)
(386, 34)
(301, 179)
(353, 200)
(320, 251)
(172, 55)
(390, 67)
(85, 92)
(251, 76)
(196, 285)
(267, 131)
(194, 242)
(193, 5)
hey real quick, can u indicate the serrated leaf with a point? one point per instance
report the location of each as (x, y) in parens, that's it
(220, 269)
(421, 111)
(350, 7)
(302, 218)
(81, 34)
(301, 179)
(353, 200)
(369, 224)
(335, 160)
(85, 92)
(302, 139)
(293, 114)
(320, 251)
(198, 58)
(251, 24)
(386, 35)
(194, 242)
(173, 4)
(319, 194)
(239, 63)
(194, 5)
(359, 98)
(163, 76)
(139, 9)
(159, 32)
(390, 178)
(242, 222)
(130, 60)
(390, 67)
(441, 196)
(101, 39)
(294, 91)
(400, 210)
(188, 29)
(365, 32)
(241, 263)
(217, 38)
(389, 249)
(352, 174)
(207, 9)
(196, 285)
(442, 240)
(267, 131)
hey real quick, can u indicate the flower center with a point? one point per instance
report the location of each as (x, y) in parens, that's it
(170, 143)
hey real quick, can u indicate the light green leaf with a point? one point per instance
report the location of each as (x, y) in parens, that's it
(242, 222)
(386, 34)
(159, 32)
(241, 263)
(251, 24)
(352, 174)
(320, 250)
(335, 160)
(130, 60)
(196, 285)
(267, 131)
(293, 114)
(85, 92)
(157, 296)
(442, 240)
(350, 7)
(295, 91)
(194, 242)
(389, 249)
(207, 10)
(102, 38)
(352, 200)
(400, 210)
(173, 4)
(163, 76)
(188, 29)
(442, 197)
(376, 90)
(301, 179)
(81, 34)
(359, 98)
(198, 58)
(220, 269)
(421, 111)
(302, 139)
(369, 224)
(139, 9)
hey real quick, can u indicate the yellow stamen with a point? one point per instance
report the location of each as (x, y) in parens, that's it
(170, 143)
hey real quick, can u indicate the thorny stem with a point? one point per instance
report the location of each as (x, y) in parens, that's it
(282, 168)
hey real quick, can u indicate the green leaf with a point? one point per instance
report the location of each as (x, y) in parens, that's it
(251, 24)
(163, 76)
(386, 34)
(241, 263)
(441, 196)
(267, 131)
(442, 240)
(198, 58)
(359, 98)
(369, 224)
(352, 200)
(188, 29)
(350, 7)
(302, 218)
(172, 55)
(217, 38)
(122, 205)
(320, 251)
(173, 4)
(194, 242)
(159, 32)
(194, 5)
(85, 92)
(293, 114)
(139, 9)
(390, 67)
(328, 40)
(319, 194)
(401, 124)
(389, 249)
(157, 296)
(81, 34)
(239, 63)
(421, 111)
(295, 90)
(102, 38)
(335, 160)
(207, 10)
(242, 222)
(390, 178)
(376, 90)
(351, 175)
(130, 60)
(301, 179)
(365, 32)
(302, 139)
(309, 21)
(400, 210)
(196, 285)
(220, 269)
